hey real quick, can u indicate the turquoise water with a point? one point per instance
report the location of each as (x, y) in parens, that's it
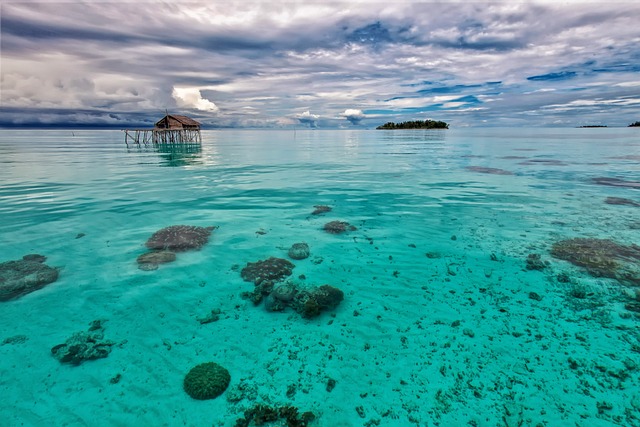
(441, 324)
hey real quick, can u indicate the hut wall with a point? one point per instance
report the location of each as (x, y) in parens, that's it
(169, 123)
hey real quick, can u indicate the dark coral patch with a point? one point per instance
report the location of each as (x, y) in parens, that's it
(34, 257)
(551, 162)
(272, 270)
(280, 297)
(179, 238)
(308, 302)
(616, 182)
(493, 171)
(535, 262)
(328, 297)
(311, 303)
(320, 209)
(150, 260)
(621, 201)
(601, 258)
(206, 381)
(83, 346)
(338, 227)
(262, 414)
(18, 278)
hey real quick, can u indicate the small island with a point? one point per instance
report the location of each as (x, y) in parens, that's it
(593, 126)
(634, 125)
(415, 124)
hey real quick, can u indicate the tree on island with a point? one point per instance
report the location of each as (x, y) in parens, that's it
(634, 125)
(415, 124)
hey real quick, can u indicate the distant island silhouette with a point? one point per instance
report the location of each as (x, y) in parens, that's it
(593, 126)
(634, 125)
(415, 124)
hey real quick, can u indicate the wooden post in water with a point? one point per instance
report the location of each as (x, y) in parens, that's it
(162, 136)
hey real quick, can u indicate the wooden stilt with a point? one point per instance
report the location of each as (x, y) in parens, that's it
(162, 136)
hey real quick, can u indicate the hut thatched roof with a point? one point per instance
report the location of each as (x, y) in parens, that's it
(175, 121)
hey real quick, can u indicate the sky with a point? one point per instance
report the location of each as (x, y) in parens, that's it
(323, 64)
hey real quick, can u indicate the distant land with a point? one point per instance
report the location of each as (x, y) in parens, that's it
(415, 124)
(634, 125)
(593, 126)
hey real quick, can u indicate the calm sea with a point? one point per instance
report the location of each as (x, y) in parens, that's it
(444, 321)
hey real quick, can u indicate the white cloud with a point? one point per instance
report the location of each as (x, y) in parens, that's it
(354, 116)
(452, 104)
(308, 119)
(307, 115)
(190, 97)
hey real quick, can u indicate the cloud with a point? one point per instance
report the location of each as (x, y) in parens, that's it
(307, 118)
(562, 75)
(354, 116)
(188, 97)
(372, 34)
(502, 63)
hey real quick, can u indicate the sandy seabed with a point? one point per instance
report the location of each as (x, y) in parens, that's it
(450, 330)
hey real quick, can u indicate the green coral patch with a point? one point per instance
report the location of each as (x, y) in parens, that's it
(206, 381)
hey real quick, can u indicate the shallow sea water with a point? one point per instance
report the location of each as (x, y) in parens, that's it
(442, 324)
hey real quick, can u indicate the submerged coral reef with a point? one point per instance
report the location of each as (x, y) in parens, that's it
(271, 269)
(616, 182)
(83, 346)
(264, 274)
(206, 381)
(311, 303)
(18, 278)
(165, 242)
(280, 297)
(261, 414)
(179, 238)
(601, 258)
(492, 171)
(621, 201)
(299, 251)
(338, 227)
(320, 209)
(151, 260)
(535, 262)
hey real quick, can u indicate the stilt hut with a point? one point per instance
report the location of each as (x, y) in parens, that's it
(171, 129)
(174, 121)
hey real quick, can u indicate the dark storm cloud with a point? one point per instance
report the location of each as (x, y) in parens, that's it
(447, 89)
(470, 43)
(56, 117)
(562, 75)
(51, 31)
(372, 34)
(52, 34)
